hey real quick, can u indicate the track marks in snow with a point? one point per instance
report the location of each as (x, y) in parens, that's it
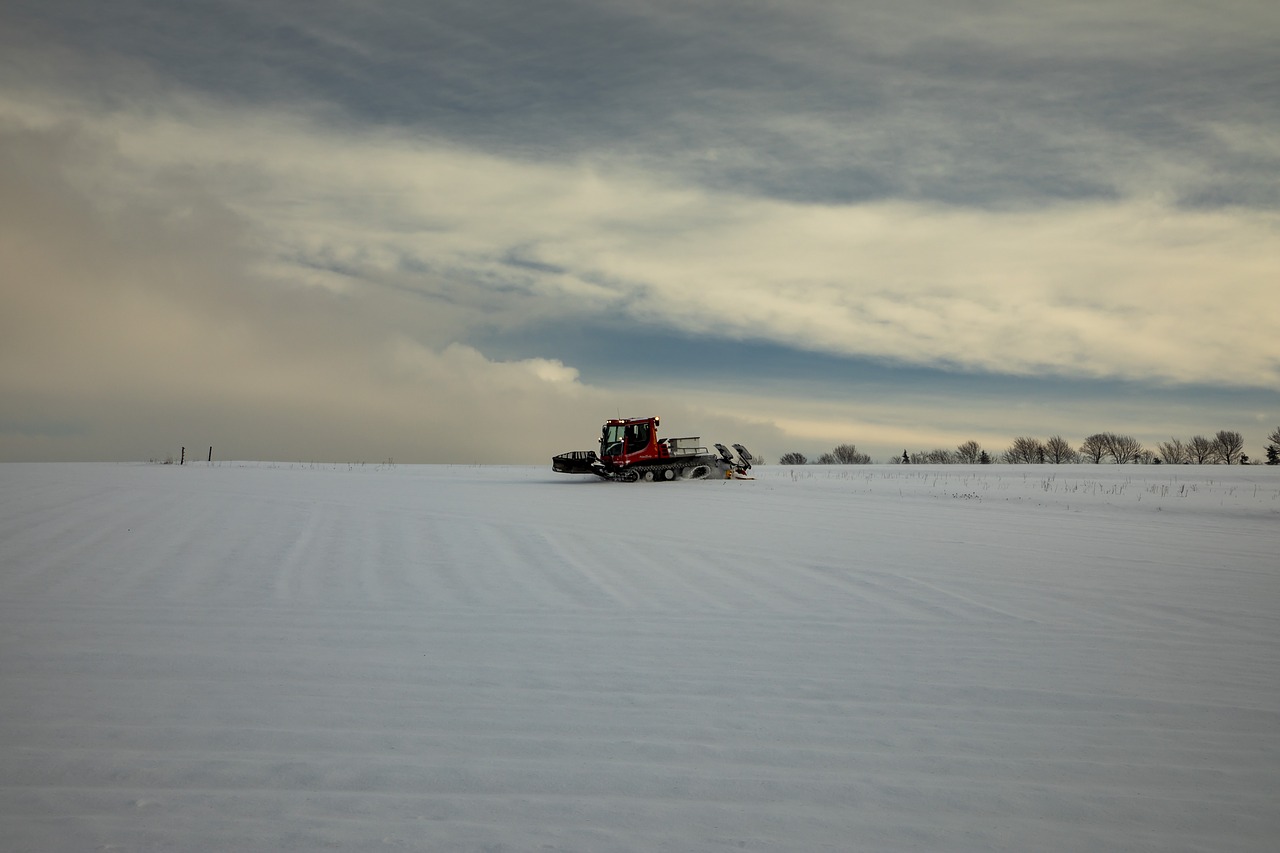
(461, 660)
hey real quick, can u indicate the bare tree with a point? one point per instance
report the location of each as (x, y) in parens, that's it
(1230, 445)
(793, 458)
(1201, 450)
(968, 453)
(1273, 447)
(825, 459)
(939, 456)
(1173, 451)
(848, 454)
(1059, 451)
(1024, 450)
(1094, 447)
(1123, 449)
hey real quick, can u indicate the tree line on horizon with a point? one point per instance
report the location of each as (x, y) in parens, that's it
(1226, 447)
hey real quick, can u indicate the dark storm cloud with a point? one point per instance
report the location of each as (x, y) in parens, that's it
(969, 104)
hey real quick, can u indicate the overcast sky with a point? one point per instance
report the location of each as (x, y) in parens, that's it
(436, 231)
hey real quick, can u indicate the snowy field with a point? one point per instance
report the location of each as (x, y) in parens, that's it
(303, 657)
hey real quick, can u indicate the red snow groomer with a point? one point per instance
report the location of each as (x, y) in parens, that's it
(630, 450)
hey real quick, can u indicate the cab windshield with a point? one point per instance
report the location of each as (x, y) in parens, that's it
(611, 440)
(619, 439)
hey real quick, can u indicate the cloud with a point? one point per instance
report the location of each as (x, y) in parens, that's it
(335, 216)
(143, 317)
(1131, 289)
(968, 103)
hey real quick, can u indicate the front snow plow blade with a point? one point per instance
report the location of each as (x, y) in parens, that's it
(576, 462)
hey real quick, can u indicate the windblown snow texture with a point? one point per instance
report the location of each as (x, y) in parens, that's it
(297, 657)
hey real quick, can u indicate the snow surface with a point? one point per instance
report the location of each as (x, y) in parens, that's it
(252, 656)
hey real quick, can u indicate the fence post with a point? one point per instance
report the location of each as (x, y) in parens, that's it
(210, 453)
(182, 460)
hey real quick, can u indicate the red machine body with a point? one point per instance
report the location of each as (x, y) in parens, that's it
(631, 450)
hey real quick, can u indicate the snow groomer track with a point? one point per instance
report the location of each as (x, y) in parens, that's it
(282, 656)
